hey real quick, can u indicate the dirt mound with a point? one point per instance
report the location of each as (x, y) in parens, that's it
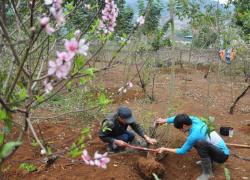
(148, 166)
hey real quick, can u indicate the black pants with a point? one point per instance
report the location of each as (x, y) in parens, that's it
(208, 150)
(127, 137)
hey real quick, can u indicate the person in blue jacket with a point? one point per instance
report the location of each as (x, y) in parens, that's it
(210, 146)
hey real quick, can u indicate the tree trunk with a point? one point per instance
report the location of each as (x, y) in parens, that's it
(3, 11)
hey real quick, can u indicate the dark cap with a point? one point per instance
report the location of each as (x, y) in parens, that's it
(126, 114)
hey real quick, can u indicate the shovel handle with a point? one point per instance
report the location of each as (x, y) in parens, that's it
(238, 145)
(141, 148)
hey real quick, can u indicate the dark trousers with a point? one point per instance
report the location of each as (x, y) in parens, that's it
(126, 137)
(208, 150)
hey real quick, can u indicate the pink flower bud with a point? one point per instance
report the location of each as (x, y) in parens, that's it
(44, 21)
(48, 88)
(140, 20)
(130, 84)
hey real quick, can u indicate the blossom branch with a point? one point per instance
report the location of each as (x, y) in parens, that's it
(37, 62)
(5, 106)
(18, 16)
(11, 44)
(91, 22)
(34, 134)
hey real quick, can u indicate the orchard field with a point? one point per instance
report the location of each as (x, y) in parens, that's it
(65, 65)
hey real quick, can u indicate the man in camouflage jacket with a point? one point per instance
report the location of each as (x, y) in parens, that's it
(114, 129)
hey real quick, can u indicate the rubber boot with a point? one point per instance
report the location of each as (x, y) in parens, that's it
(206, 166)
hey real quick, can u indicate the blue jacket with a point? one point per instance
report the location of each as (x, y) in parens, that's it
(198, 131)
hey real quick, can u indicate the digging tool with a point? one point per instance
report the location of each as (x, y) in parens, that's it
(140, 148)
(238, 145)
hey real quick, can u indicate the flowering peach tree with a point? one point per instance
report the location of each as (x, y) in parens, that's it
(40, 56)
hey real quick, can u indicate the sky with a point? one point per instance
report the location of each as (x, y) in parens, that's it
(133, 1)
(223, 1)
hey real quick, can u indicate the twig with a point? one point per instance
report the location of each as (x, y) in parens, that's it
(238, 98)
(240, 157)
(91, 21)
(5, 106)
(18, 16)
(37, 63)
(34, 133)
(13, 50)
(8, 76)
(18, 73)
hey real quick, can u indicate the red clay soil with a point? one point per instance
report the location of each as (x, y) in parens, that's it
(190, 97)
(148, 166)
(65, 168)
(118, 98)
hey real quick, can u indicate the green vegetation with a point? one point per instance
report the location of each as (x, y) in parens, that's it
(28, 167)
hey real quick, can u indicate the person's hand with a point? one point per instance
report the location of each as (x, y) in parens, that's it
(160, 121)
(161, 149)
(151, 140)
(120, 143)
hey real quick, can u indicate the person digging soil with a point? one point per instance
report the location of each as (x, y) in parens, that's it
(114, 130)
(209, 145)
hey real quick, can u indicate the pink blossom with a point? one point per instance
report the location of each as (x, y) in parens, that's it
(101, 25)
(54, 66)
(109, 15)
(100, 160)
(56, 10)
(83, 47)
(48, 86)
(64, 55)
(85, 157)
(130, 84)
(91, 162)
(63, 71)
(140, 20)
(58, 4)
(44, 21)
(59, 68)
(77, 33)
(58, 1)
(71, 45)
(58, 15)
(52, 10)
(49, 29)
(97, 155)
(125, 88)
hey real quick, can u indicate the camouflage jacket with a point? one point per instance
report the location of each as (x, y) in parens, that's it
(111, 128)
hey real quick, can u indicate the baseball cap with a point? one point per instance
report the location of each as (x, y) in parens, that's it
(126, 114)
